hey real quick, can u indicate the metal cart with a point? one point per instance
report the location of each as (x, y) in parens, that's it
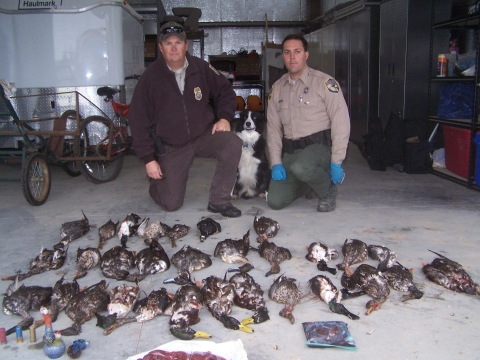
(49, 129)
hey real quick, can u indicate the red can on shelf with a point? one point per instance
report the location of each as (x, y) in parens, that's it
(442, 65)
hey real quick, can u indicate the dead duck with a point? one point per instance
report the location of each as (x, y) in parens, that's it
(176, 232)
(187, 260)
(106, 232)
(368, 280)
(152, 260)
(63, 291)
(184, 312)
(72, 230)
(450, 274)
(265, 227)
(146, 309)
(400, 278)
(384, 255)
(249, 295)
(320, 253)
(153, 231)
(83, 306)
(354, 252)
(86, 259)
(19, 300)
(218, 295)
(285, 291)
(233, 251)
(142, 227)
(128, 228)
(46, 260)
(208, 227)
(117, 262)
(274, 255)
(323, 287)
(122, 299)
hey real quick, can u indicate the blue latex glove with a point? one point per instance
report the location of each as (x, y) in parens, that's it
(336, 173)
(278, 172)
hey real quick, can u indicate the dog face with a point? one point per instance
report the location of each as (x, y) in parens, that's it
(251, 120)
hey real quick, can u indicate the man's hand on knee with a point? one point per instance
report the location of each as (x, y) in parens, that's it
(278, 172)
(153, 170)
(336, 173)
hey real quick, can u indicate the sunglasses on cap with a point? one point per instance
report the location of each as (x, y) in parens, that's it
(172, 29)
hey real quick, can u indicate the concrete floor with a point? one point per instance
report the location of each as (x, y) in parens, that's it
(407, 213)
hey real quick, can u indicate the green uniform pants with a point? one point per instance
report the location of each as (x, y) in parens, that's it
(306, 168)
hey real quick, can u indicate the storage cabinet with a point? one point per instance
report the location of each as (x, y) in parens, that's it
(458, 133)
(404, 54)
(349, 52)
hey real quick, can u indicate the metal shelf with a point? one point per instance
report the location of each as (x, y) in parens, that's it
(463, 123)
(471, 21)
(445, 174)
(453, 79)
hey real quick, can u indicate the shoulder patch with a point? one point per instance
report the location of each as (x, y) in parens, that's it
(270, 94)
(214, 70)
(332, 86)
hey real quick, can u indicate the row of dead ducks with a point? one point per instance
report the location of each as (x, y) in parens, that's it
(216, 293)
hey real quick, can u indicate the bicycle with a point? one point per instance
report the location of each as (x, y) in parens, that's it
(99, 137)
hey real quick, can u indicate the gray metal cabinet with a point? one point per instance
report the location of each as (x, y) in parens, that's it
(360, 74)
(356, 66)
(342, 56)
(404, 54)
(349, 52)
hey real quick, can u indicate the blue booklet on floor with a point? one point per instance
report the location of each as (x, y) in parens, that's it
(327, 334)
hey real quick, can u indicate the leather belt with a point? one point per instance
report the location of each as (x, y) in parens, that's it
(322, 137)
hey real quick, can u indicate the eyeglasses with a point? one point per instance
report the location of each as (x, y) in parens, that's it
(172, 29)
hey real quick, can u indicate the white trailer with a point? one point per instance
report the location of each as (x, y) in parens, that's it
(68, 45)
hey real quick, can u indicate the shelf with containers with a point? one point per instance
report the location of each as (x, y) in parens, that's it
(459, 130)
(247, 75)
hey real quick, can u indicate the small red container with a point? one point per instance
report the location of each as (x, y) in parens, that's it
(457, 149)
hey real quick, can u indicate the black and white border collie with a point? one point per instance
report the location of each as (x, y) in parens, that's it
(253, 175)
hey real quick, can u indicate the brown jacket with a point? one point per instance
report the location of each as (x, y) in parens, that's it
(177, 119)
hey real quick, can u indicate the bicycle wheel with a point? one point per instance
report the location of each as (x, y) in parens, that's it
(92, 142)
(36, 179)
(70, 167)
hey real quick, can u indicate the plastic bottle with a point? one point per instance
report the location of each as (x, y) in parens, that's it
(442, 65)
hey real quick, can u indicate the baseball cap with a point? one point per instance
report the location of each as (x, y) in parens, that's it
(171, 28)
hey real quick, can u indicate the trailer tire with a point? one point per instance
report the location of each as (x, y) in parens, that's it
(36, 180)
(94, 130)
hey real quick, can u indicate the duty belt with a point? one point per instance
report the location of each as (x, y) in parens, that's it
(322, 137)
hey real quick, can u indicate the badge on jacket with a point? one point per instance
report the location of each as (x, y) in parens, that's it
(332, 86)
(198, 93)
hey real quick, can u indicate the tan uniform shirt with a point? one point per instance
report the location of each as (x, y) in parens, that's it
(313, 103)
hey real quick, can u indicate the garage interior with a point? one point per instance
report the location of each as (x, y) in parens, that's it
(384, 56)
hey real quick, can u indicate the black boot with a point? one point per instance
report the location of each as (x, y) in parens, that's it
(227, 210)
(329, 202)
